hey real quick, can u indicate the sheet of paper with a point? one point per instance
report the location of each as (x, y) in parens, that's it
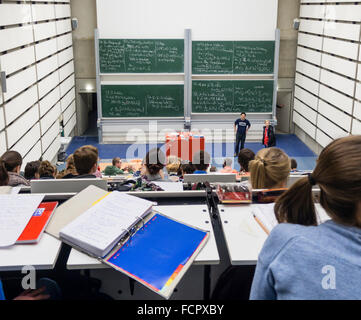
(265, 213)
(15, 190)
(170, 186)
(101, 225)
(15, 213)
(322, 215)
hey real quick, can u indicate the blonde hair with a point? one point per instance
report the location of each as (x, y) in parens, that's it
(173, 164)
(270, 167)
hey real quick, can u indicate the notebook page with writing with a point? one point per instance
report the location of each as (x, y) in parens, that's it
(265, 213)
(16, 211)
(99, 228)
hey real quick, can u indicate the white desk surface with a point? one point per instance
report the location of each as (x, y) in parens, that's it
(189, 214)
(42, 255)
(244, 236)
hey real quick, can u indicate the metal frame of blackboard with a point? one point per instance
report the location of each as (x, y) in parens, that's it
(98, 84)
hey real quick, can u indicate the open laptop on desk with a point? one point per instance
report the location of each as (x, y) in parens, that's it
(66, 185)
(218, 177)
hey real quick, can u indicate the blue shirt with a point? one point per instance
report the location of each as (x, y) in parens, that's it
(200, 172)
(242, 126)
(2, 294)
(299, 262)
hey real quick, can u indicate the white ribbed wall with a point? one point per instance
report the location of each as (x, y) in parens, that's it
(36, 52)
(327, 102)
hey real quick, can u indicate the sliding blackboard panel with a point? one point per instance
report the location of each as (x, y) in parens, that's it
(142, 101)
(232, 96)
(141, 56)
(233, 57)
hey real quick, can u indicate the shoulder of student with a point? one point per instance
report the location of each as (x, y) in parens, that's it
(280, 238)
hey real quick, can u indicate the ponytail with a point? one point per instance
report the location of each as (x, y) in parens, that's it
(296, 204)
(4, 176)
(258, 173)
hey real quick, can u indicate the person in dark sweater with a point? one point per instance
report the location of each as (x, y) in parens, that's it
(241, 127)
(10, 164)
(86, 162)
(32, 170)
(269, 138)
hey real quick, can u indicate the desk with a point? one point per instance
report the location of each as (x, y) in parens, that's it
(42, 256)
(195, 215)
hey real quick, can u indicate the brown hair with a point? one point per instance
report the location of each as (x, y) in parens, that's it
(293, 164)
(244, 157)
(31, 169)
(270, 167)
(173, 164)
(339, 180)
(4, 177)
(154, 161)
(70, 168)
(46, 169)
(186, 168)
(11, 160)
(85, 158)
(115, 161)
(201, 160)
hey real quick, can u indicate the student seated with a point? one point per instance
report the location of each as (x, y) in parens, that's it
(227, 166)
(244, 157)
(172, 167)
(46, 170)
(186, 167)
(32, 170)
(213, 169)
(115, 168)
(201, 161)
(301, 260)
(293, 165)
(97, 172)
(70, 170)
(153, 165)
(86, 162)
(10, 164)
(269, 169)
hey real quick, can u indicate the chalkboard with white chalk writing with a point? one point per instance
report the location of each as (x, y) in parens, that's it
(124, 101)
(141, 55)
(233, 57)
(232, 96)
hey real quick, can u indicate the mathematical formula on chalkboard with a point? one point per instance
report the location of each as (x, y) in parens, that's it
(141, 56)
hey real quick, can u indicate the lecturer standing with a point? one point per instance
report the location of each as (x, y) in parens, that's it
(241, 127)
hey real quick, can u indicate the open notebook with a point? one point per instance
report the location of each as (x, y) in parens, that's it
(266, 218)
(101, 227)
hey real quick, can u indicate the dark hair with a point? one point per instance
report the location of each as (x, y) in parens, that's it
(293, 164)
(154, 161)
(339, 180)
(201, 160)
(30, 169)
(85, 158)
(115, 161)
(227, 162)
(186, 168)
(46, 169)
(11, 160)
(4, 177)
(243, 113)
(213, 169)
(244, 157)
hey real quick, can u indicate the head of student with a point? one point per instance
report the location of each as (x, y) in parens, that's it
(339, 181)
(266, 123)
(173, 163)
(12, 161)
(201, 160)
(293, 164)
(86, 160)
(243, 115)
(32, 170)
(186, 167)
(227, 162)
(154, 162)
(244, 157)
(117, 162)
(269, 169)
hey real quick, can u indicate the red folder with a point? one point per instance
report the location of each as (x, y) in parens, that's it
(38, 222)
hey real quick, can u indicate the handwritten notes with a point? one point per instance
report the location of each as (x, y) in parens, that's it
(15, 213)
(224, 96)
(233, 57)
(141, 55)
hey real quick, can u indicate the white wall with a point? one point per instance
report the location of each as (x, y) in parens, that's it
(37, 55)
(328, 61)
(208, 19)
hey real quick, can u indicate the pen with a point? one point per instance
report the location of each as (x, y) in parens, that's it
(261, 224)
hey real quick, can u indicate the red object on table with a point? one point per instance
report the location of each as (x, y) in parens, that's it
(183, 144)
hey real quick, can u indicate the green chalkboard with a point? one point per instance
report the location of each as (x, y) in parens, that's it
(126, 101)
(232, 96)
(233, 57)
(141, 56)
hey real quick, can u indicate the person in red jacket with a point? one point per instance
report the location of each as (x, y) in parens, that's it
(269, 138)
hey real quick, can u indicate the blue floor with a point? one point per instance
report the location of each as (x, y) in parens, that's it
(294, 147)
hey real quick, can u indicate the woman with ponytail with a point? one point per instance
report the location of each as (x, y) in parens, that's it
(303, 260)
(153, 165)
(12, 161)
(269, 169)
(4, 177)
